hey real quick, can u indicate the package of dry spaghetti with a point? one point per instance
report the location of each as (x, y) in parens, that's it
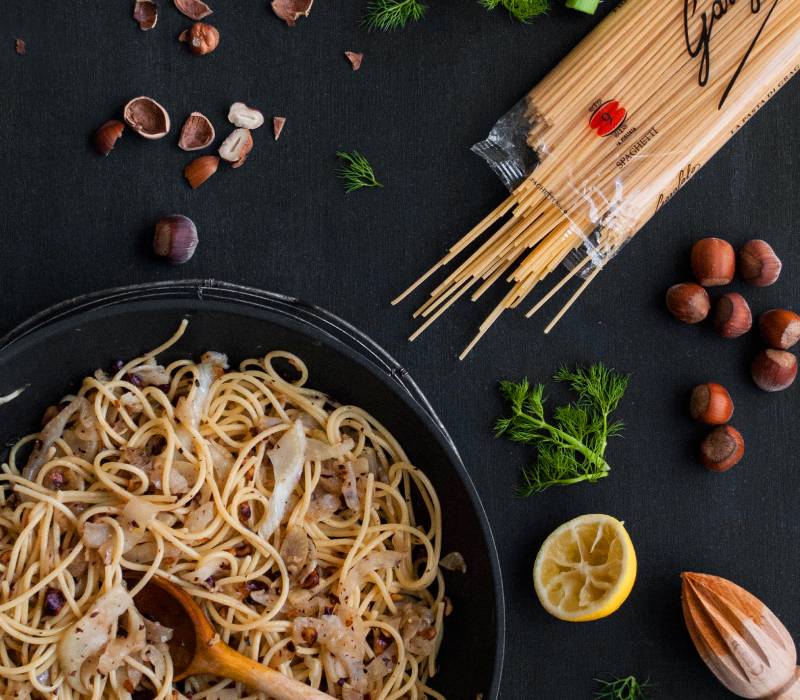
(611, 134)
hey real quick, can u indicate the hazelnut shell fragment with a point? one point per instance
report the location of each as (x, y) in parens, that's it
(245, 117)
(201, 38)
(145, 12)
(688, 302)
(200, 169)
(354, 58)
(713, 262)
(292, 10)
(774, 370)
(197, 133)
(175, 239)
(722, 449)
(711, 404)
(147, 117)
(758, 263)
(106, 137)
(20, 47)
(780, 328)
(732, 317)
(193, 9)
(236, 147)
(277, 126)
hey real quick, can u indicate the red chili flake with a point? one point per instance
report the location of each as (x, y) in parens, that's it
(354, 58)
(277, 125)
(56, 480)
(311, 580)
(20, 47)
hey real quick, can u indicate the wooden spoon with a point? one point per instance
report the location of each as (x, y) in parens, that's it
(196, 650)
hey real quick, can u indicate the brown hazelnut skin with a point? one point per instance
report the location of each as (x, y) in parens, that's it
(175, 239)
(732, 316)
(722, 448)
(106, 137)
(200, 169)
(711, 404)
(202, 38)
(774, 370)
(780, 328)
(758, 264)
(688, 302)
(713, 262)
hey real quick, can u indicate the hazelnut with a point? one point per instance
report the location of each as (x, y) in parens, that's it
(711, 404)
(774, 370)
(722, 448)
(713, 262)
(193, 9)
(758, 264)
(106, 137)
(243, 116)
(197, 133)
(780, 328)
(688, 302)
(236, 147)
(200, 169)
(145, 12)
(146, 117)
(277, 126)
(202, 38)
(732, 316)
(292, 10)
(175, 239)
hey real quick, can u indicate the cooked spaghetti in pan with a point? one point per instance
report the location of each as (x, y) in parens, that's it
(298, 524)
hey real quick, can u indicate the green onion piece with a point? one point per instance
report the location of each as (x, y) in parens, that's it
(587, 6)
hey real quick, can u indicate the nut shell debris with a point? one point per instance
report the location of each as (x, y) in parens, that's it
(193, 9)
(291, 10)
(145, 12)
(201, 38)
(197, 133)
(246, 117)
(20, 47)
(354, 58)
(106, 137)
(277, 125)
(200, 169)
(147, 117)
(236, 147)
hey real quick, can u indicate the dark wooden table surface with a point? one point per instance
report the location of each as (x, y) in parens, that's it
(72, 222)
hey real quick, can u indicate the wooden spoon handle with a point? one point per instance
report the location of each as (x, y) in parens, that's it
(221, 660)
(791, 691)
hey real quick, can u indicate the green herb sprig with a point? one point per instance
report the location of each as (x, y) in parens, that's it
(623, 689)
(570, 449)
(522, 10)
(356, 172)
(387, 15)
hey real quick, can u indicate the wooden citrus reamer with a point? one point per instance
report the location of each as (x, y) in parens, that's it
(591, 191)
(746, 647)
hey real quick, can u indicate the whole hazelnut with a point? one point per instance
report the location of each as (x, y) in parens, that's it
(780, 328)
(106, 137)
(758, 264)
(774, 370)
(713, 262)
(175, 239)
(688, 302)
(202, 38)
(711, 404)
(200, 169)
(722, 448)
(732, 316)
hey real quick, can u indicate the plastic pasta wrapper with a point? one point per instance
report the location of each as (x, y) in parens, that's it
(609, 136)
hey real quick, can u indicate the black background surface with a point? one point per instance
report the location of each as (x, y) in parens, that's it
(72, 222)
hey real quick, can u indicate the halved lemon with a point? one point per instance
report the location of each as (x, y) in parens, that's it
(585, 569)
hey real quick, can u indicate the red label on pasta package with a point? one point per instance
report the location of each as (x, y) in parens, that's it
(608, 117)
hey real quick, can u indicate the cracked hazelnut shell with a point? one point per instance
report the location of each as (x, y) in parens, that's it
(106, 137)
(145, 12)
(292, 10)
(200, 169)
(197, 133)
(147, 117)
(193, 9)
